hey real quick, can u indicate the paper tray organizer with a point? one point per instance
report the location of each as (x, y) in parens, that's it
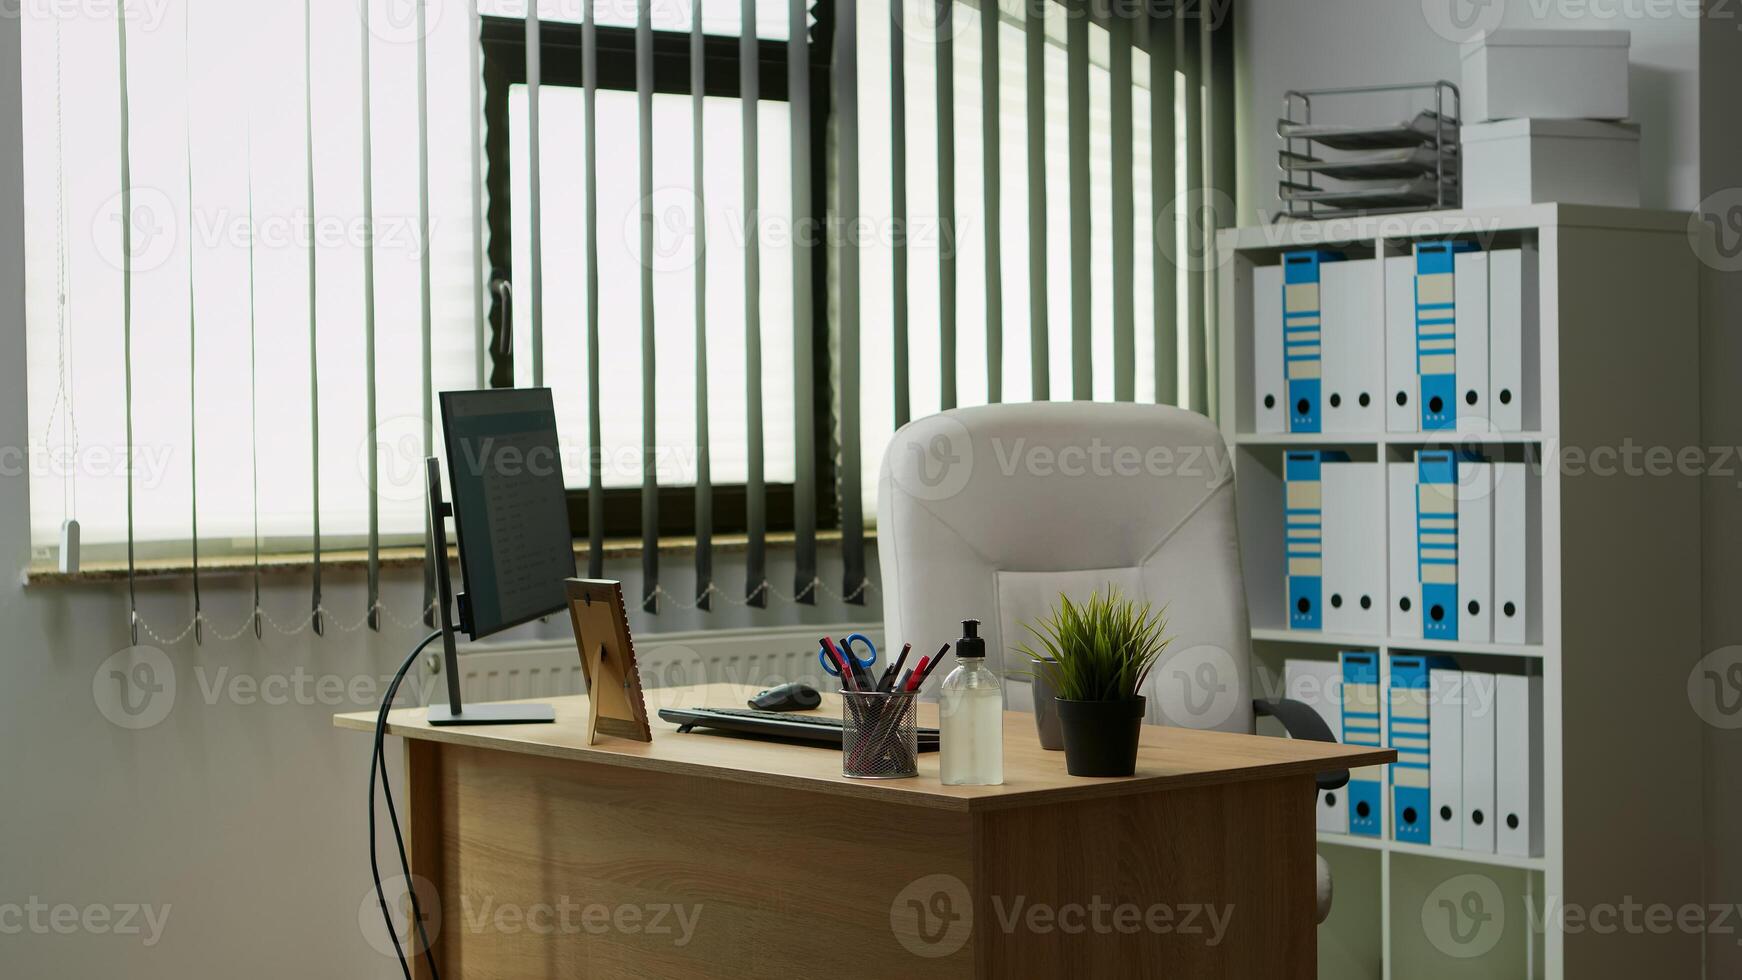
(1407, 166)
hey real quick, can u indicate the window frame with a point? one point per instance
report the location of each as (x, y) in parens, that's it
(502, 43)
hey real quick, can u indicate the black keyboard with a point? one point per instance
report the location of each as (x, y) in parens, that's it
(815, 729)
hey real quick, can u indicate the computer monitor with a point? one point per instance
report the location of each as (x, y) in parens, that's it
(510, 515)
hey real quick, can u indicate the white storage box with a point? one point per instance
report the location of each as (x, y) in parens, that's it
(1545, 75)
(1535, 161)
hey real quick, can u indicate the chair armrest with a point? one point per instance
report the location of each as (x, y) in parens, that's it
(1301, 721)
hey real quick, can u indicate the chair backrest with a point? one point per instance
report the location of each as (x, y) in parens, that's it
(991, 512)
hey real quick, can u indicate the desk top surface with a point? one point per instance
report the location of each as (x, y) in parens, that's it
(1167, 758)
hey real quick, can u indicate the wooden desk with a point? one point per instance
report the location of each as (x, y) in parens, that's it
(703, 855)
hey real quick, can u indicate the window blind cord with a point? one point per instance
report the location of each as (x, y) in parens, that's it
(378, 765)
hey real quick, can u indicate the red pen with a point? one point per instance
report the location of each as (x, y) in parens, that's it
(917, 674)
(847, 679)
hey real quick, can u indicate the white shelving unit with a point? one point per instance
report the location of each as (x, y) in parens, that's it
(1617, 360)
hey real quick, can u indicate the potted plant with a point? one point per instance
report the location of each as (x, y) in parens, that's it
(1095, 656)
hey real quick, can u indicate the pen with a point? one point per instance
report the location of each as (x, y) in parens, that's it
(911, 681)
(933, 665)
(894, 669)
(848, 678)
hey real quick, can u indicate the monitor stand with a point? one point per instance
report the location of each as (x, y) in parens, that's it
(454, 712)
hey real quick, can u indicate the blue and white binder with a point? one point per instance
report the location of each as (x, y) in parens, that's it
(1303, 530)
(1436, 524)
(1302, 336)
(1361, 727)
(1436, 331)
(1408, 731)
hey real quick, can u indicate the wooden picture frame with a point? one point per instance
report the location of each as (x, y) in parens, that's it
(607, 660)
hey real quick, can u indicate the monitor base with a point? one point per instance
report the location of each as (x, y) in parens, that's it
(492, 714)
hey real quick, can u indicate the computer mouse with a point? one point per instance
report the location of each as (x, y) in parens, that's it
(787, 697)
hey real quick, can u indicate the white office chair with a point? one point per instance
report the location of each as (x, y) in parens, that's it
(992, 512)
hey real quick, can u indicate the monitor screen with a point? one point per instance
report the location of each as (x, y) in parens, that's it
(510, 508)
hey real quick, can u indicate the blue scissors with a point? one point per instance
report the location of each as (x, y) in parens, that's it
(845, 645)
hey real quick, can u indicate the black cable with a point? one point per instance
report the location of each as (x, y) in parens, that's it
(378, 763)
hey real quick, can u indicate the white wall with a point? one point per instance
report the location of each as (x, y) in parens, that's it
(244, 818)
(1291, 44)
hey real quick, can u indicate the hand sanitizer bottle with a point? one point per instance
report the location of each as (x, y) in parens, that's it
(972, 710)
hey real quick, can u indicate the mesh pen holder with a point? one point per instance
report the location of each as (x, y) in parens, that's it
(880, 734)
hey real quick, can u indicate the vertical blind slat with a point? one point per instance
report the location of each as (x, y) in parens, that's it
(1124, 247)
(804, 507)
(946, 110)
(649, 333)
(1220, 115)
(755, 490)
(991, 159)
(475, 163)
(846, 99)
(898, 207)
(193, 333)
(126, 147)
(534, 222)
(369, 394)
(317, 619)
(590, 232)
(1077, 96)
(1159, 24)
(424, 285)
(704, 473)
(1190, 55)
(1034, 45)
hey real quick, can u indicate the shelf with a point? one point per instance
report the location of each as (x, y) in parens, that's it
(1386, 438)
(1374, 642)
(1430, 851)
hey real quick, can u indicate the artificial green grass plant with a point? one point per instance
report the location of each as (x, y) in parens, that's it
(1099, 650)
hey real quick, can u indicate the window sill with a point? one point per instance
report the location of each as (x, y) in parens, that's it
(358, 559)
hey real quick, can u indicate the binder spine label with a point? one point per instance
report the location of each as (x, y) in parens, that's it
(1361, 727)
(1436, 532)
(1303, 529)
(1302, 337)
(1411, 818)
(1436, 333)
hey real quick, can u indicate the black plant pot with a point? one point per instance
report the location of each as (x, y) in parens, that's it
(1101, 736)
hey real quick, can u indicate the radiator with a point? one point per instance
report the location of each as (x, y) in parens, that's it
(757, 657)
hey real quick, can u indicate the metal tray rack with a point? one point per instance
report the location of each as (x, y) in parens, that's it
(1409, 166)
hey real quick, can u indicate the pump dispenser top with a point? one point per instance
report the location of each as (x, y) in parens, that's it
(970, 645)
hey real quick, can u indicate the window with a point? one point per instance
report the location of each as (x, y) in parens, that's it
(563, 225)
(278, 241)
